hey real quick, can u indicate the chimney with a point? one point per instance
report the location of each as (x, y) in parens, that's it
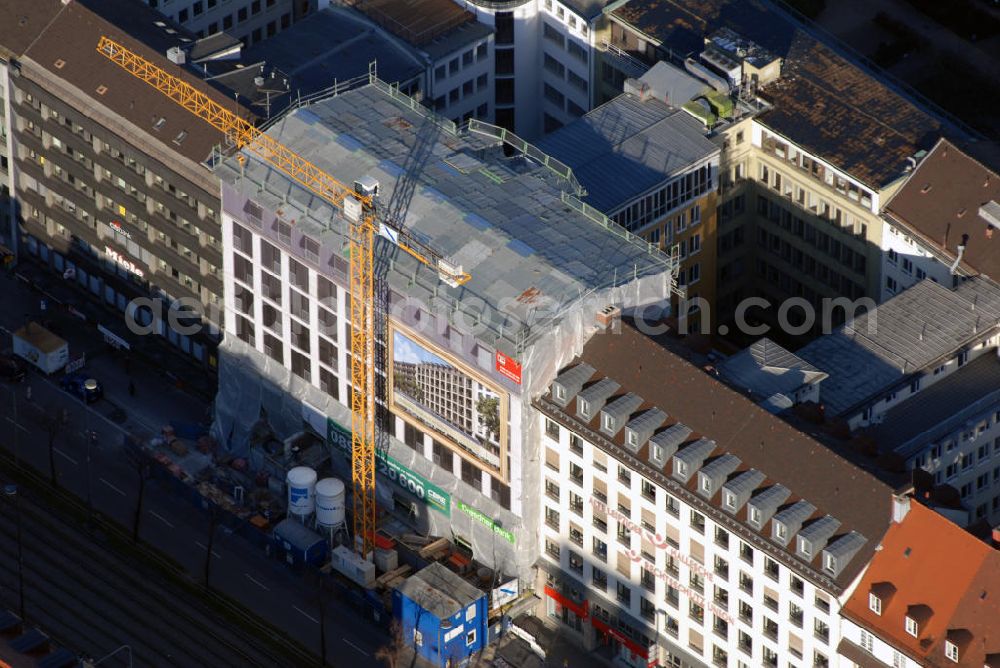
(609, 317)
(900, 507)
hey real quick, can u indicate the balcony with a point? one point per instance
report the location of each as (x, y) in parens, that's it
(622, 61)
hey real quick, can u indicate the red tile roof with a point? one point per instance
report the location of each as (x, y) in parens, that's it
(945, 578)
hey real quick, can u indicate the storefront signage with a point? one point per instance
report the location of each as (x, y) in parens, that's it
(120, 229)
(508, 367)
(486, 521)
(123, 261)
(412, 482)
(656, 539)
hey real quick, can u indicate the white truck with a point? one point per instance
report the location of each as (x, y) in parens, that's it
(41, 348)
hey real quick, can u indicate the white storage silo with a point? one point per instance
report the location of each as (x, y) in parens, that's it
(301, 483)
(330, 502)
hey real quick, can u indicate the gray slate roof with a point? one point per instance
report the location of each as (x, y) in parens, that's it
(914, 329)
(626, 146)
(941, 408)
(335, 44)
(766, 369)
(502, 219)
(439, 591)
(671, 83)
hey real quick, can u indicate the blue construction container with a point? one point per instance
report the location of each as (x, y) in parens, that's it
(443, 617)
(298, 544)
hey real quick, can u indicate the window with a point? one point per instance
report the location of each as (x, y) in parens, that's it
(911, 627)
(600, 549)
(624, 595)
(552, 429)
(600, 579)
(951, 650)
(698, 522)
(470, 637)
(746, 553)
(771, 568)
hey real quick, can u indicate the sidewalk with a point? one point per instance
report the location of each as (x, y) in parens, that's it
(87, 309)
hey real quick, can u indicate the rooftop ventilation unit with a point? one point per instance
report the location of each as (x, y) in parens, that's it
(176, 55)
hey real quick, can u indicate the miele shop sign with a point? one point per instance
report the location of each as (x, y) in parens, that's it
(656, 539)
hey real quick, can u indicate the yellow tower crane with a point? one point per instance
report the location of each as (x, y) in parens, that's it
(359, 207)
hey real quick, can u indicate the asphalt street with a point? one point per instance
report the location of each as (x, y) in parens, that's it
(171, 525)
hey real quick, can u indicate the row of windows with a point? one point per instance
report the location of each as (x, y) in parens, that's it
(461, 91)
(676, 193)
(817, 170)
(574, 48)
(561, 14)
(458, 63)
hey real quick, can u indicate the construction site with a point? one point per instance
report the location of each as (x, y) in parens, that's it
(392, 334)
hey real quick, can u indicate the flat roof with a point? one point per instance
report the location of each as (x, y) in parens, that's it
(439, 591)
(507, 220)
(627, 146)
(66, 47)
(876, 351)
(734, 424)
(334, 45)
(940, 204)
(941, 408)
(822, 101)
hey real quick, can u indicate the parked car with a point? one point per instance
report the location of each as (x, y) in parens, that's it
(11, 369)
(82, 386)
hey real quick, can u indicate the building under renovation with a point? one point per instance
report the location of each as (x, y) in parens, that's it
(459, 456)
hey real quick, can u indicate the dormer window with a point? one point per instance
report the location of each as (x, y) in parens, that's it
(680, 467)
(754, 515)
(780, 531)
(830, 563)
(657, 451)
(584, 407)
(730, 500)
(609, 423)
(875, 604)
(911, 626)
(633, 438)
(804, 549)
(560, 392)
(706, 484)
(951, 650)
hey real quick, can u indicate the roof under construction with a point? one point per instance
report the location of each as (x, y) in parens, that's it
(508, 221)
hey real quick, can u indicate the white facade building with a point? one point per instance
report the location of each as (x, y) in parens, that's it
(735, 552)
(544, 61)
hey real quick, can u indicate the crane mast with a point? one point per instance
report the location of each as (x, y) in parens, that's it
(359, 209)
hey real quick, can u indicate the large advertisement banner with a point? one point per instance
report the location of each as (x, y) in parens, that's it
(437, 393)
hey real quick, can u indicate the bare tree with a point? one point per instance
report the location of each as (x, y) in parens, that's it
(54, 428)
(137, 458)
(392, 652)
(213, 523)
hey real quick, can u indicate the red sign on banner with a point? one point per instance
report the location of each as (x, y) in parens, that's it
(508, 367)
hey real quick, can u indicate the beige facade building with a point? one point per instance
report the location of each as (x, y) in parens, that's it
(816, 147)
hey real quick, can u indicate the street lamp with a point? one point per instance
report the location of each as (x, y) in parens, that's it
(10, 491)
